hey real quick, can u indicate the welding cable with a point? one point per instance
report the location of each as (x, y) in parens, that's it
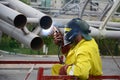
(29, 72)
(56, 30)
(110, 52)
(59, 51)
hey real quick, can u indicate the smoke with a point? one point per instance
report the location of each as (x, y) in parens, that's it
(46, 32)
(49, 31)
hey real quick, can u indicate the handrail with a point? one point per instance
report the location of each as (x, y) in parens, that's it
(40, 76)
(28, 62)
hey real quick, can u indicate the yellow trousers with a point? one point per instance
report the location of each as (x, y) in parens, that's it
(55, 69)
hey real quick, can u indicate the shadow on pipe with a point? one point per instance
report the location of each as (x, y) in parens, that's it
(20, 21)
(36, 43)
(45, 22)
(12, 16)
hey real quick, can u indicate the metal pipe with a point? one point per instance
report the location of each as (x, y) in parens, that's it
(97, 33)
(11, 16)
(45, 21)
(62, 22)
(105, 11)
(37, 30)
(98, 23)
(32, 20)
(4, 2)
(94, 32)
(112, 10)
(30, 40)
(105, 33)
(83, 8)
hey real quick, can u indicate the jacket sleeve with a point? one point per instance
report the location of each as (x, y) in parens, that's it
(82, 65)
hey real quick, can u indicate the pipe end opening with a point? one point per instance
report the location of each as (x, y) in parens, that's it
(45, 22)
(36, 43)
(20, 21)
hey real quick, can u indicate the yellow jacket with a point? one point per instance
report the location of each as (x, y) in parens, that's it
(84, 59)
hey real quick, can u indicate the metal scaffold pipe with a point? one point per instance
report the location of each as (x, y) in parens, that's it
(13, 17)
(109, 24)
(94, 31)
(62, 22)
(30, 40)
(110, 13)
(45, 21)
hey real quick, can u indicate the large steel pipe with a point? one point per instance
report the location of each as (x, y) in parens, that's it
(30, 40)
(104, 33)
(96, 33)
(45, 21)
(109, 24)
(13, 17)
(62, 22)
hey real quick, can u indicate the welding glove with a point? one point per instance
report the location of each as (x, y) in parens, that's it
(63, 70)
(57, 36)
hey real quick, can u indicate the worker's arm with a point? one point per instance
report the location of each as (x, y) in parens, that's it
(58, 40)
(57, 36)
(82, 65)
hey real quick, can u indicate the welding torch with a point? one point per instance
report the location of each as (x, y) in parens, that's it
(60, 43)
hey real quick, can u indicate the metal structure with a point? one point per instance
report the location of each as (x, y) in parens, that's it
(86, 8)
(41, 76)
(99, 28)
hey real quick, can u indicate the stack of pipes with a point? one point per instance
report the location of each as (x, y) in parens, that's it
(14, 18)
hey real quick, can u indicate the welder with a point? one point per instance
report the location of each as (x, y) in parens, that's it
(81, 51)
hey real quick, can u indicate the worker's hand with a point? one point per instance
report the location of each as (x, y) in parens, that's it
(63, 70)
(58, 36)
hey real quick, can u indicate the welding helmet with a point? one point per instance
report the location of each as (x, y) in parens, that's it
(73, 28)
